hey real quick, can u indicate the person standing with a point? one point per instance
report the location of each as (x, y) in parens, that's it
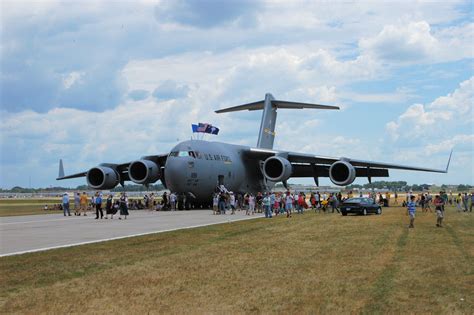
(123, 206)
(422, 202)
(215, 203)
(317, 197)
(173, 201)
(109, 207)
(164, 201)
(276, 206)
(77, 204)
(222, 201)
(251, 209)
(272, 201)
(66, 204)
(439, 206)
(83, 202)
(411, 209)
(151, 202)
(232, 202)
(465, 201)
(472, 201)
(266, 206)
(459, 202)
(98, 206)
(300, 202)
(92, 206)
(288, 204)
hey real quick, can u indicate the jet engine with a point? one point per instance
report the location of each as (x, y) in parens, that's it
(144, 172)
(277, 169)
(342, 173)
(102, 177)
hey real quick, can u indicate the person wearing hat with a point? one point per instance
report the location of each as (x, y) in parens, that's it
(66, 204)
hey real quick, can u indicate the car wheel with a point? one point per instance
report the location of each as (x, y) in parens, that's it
(364, 211)
(344, 213)
(379, 211)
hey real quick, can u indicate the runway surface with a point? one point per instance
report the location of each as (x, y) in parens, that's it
(23, 234)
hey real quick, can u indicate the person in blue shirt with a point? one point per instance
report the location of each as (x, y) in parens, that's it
(66, 204)
(98, 206)
(411, 209)
(266, 206)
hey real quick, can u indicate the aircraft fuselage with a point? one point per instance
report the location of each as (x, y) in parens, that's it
(198, 167)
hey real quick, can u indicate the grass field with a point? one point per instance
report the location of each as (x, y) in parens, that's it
(29, 206)
(311, 263)
(13, 207)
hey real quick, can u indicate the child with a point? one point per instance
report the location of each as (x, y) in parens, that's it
(411, 209)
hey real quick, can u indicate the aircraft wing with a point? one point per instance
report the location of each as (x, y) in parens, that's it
(121, 169)
(310, 165)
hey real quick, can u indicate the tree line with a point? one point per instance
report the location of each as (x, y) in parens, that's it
(386, 185)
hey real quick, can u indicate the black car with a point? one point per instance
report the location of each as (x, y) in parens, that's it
(360, 206)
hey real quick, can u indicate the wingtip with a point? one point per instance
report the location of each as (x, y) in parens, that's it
(61, 169)
(449, 160)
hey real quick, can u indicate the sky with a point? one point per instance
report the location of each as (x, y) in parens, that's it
(111, 81)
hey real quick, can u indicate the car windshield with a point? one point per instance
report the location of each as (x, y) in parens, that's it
(355, 200)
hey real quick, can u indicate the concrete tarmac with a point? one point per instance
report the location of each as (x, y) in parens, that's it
(24, 234)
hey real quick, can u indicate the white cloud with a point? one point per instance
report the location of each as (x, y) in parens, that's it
(457, 141)
(72, 78)
(411, 42)
(444, 113)
(110, 57)
(416, 42)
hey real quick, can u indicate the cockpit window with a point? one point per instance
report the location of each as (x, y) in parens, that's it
(183, 153)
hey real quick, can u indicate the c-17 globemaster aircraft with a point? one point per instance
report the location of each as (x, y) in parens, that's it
(197, 168)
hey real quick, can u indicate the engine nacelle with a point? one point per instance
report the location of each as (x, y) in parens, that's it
(277, 169)
(144, 171)
(102, 177)
(342, 173)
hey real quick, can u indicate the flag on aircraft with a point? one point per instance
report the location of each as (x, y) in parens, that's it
(205, 128)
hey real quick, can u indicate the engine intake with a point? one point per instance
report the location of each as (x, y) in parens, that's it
(277, 169)
(102, 177)
(342, 173)
(144, 171)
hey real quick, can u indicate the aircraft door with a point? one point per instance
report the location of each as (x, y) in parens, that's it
(220, 180)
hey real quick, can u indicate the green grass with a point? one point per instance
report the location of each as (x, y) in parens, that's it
(32, 206)
(14, 207)
(312, 263)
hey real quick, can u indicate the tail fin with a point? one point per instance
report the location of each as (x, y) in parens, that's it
(269, 105)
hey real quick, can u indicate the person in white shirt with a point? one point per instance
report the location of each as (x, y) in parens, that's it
(251, 209)
(215, 203)
(173, 201)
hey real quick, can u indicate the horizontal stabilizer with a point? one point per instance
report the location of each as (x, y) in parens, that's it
(296, 105)
(250, 106)
(275, 104)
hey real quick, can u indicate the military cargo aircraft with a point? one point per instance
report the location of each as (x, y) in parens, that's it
(197, 168)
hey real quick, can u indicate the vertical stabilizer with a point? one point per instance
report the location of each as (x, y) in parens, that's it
(266, 135)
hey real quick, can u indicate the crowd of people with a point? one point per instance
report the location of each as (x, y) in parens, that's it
(275, 203)
(464, 203)
(82, 204)
(269, 203)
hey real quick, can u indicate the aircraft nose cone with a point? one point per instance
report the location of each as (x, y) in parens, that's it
(175, 175)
